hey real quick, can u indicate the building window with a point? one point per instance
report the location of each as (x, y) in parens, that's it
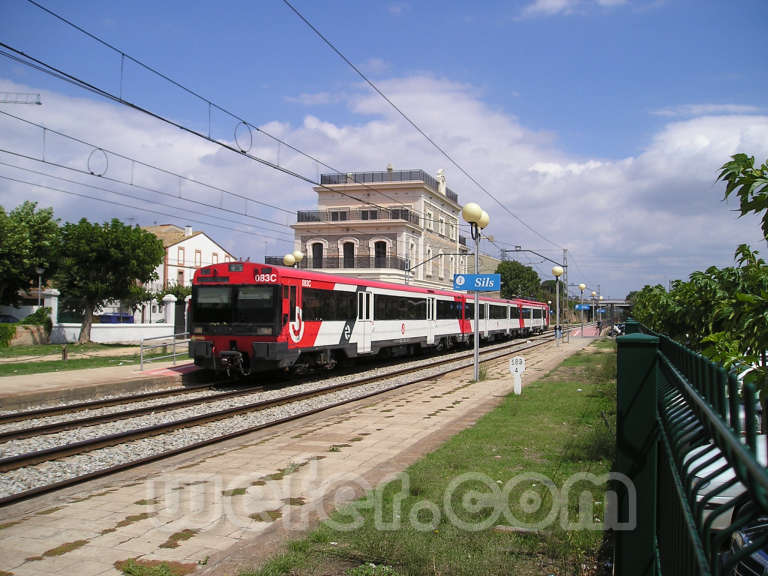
(180, 277)
(428, 261)
(428, 217)
(180, 256)
(451, 267)
(215, 258)
(452, 231)
(317, 255)
(349, 254)
(441, 230)
(441, 266)
(338, 216)
(227, 258)
(198, 258)
(380, 254)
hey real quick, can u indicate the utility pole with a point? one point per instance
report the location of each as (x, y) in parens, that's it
(565, 291)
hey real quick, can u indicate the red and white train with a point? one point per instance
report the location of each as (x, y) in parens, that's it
(248, 317)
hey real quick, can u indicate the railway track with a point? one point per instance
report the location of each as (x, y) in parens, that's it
(366, 386)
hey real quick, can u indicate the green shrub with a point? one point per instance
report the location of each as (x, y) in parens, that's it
(40, 317)
(7, 332)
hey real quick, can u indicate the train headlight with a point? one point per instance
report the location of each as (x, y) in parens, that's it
(264, 331)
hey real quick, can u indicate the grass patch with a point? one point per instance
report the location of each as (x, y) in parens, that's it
(519, 457)
(44, 349)
(48, 511)
(234, 492)
(64, 548)
(266, 515)
(146, 502)
(174, 539)
(36, 367)
(133, 518)
(134, 567)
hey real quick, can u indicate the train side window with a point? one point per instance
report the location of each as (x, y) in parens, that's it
(292, 304)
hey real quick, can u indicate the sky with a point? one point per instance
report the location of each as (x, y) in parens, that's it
(596, 126)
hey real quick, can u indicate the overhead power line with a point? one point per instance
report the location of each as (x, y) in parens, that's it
(416, 126)
(113, 203)
(119, 193)
(139, 162)
(211, 105)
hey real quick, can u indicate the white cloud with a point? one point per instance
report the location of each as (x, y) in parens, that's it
(704, 109)
(543, 8)
(647, 218)
(549, 7)
(376, 66)
(398, 8)
(314, 99)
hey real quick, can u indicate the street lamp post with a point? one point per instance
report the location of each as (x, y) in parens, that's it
(39, 271)
(557, 271)
(594, 306)
(600, 312)
(293, 258)
(477, 218)
(582, 286)
(298, 255)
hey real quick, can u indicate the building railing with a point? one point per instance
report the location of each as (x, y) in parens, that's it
(687, 446)
(342, 263)
(386, 176)
(358, 214)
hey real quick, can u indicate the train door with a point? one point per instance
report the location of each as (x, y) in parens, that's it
(431, 319)
(365, 321)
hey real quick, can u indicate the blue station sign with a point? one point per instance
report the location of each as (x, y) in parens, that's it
(477, 282)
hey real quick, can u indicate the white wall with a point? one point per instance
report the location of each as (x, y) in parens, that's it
(111, 333)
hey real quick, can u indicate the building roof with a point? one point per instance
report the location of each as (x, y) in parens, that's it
(170, 234)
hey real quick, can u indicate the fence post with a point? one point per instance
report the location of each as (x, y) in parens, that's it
(631, 326)
(636, 451)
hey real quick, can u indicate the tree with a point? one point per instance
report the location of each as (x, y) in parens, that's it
(28, 240)
(102, 263)
(518, 280)
(750, 184)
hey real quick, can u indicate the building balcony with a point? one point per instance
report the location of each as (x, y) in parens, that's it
(357, 215)
(386, 176)
(341, 263)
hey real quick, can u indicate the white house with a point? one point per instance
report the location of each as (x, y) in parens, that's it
(185, 252)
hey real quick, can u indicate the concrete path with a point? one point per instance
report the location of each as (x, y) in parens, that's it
(226, 507)
(18, 392)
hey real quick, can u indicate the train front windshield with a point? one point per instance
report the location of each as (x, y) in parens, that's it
(235, 305)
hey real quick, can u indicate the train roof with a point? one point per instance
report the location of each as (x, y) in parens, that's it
(298, 273)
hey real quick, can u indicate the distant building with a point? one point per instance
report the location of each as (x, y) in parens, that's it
(388, 225)
(185, 252)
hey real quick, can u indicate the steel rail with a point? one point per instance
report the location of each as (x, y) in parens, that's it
(490, 355)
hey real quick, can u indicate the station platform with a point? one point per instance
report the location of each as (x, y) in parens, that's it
(20, 392)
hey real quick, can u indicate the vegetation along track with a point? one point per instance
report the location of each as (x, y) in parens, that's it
(60, 453)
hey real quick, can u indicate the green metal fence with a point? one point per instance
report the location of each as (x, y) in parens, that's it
(687, 438)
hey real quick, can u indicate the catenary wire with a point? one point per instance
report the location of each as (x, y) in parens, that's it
(116, 192)
(416, 126)
(211, 104)
(116, 181)
(54, 189)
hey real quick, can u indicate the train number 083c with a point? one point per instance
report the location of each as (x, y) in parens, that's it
(266, 278)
